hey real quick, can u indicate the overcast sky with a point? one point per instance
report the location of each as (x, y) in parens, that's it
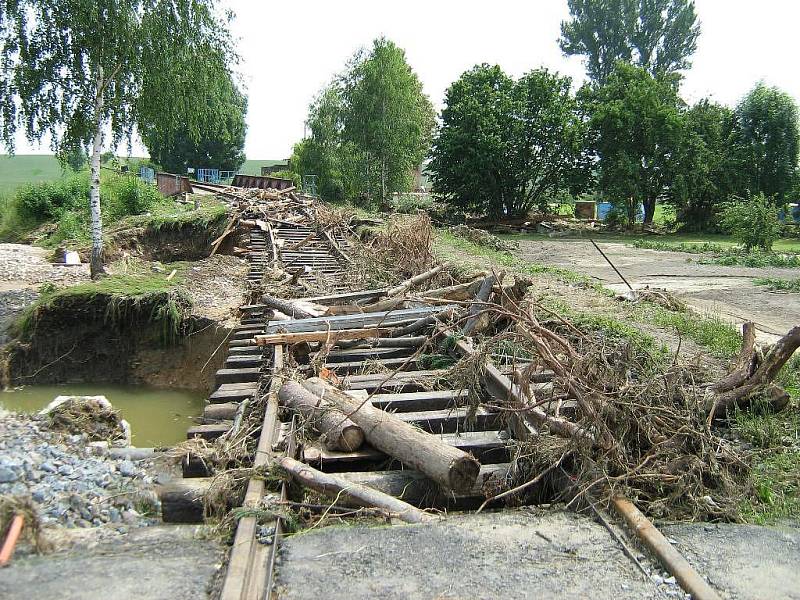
(291, 49)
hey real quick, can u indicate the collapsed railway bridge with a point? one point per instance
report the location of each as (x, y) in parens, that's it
(377, 401)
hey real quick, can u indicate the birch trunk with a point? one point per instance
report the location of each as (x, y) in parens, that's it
(96, 264)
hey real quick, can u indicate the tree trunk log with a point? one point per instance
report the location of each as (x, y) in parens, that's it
(337, 487)
(444, 464)
(718, 402)
(414, 281)
(478, 306)
(287, 307)
(336, 431)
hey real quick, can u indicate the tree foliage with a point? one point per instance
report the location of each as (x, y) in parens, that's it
(706, 172)
(387, 117)
(657, 35)
(220, 138)
(636, 130)
(753, 221)
(504, 145)
(767, 141)
(369, 128)
(72, 70)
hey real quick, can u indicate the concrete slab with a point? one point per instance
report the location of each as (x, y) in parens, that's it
(155, 563)
(510, 555)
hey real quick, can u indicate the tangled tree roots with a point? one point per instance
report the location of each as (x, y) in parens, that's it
(649, 417)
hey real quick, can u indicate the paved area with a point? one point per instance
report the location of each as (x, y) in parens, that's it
(743, 562)
(728, 292)
(156, 563)
(510, 555)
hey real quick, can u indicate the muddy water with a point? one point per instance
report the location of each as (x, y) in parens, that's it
(158, 417)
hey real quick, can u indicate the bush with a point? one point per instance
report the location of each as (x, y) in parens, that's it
(753, 222)
(126, 195)
(37, 203)
(298, 182)
(66, 203)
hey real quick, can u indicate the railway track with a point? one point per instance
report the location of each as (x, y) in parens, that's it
(391, 370)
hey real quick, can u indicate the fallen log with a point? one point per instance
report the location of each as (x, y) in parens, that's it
(296, 309)
(336, 431)
(754, 373)
(459, 292)
(447, 466)
(478, 306)
(414, 281)
(337, 487)
(422, 323)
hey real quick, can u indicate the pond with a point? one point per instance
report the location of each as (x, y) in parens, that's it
(158, 417)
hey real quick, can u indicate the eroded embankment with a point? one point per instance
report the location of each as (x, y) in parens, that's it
(81, 335)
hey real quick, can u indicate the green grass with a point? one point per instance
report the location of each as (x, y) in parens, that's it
(17, 170)
(211, 214)
(779, 285)
(755, 259)
(452, 248)
(253, 167)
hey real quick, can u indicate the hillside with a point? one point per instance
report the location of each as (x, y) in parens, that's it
(27, 168)
(32, 168)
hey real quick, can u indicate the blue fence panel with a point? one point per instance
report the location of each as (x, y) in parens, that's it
(207, 175)
(147, 174)
(603, 208)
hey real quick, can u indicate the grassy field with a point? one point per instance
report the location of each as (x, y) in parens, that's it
(32, 168)
(253, 167)
(27, 168)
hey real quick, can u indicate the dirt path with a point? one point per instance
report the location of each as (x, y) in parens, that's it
(728, 292)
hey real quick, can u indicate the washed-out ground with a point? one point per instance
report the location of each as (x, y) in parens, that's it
(157, 563)
(528, 554)
(727, 292)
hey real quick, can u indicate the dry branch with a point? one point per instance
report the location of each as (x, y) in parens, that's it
(339, 488)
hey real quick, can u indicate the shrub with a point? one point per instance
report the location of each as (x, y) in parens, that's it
(752, 221)
(127, 195)
(41, 202)
(285, 174)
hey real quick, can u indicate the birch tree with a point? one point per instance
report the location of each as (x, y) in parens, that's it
(73, 72)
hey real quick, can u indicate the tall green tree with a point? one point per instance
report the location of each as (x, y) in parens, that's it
(73, 71)
(637, 129)
(504, 145)
(220, 138)
(706, 171)
(657, 35)
(387, 117)
(324, 152)
(767, 141)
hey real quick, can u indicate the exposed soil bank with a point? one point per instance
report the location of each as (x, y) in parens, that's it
(173, 242)
(77, 342)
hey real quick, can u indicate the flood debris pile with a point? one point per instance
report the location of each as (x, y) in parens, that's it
(393, 379)
(91, 416)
